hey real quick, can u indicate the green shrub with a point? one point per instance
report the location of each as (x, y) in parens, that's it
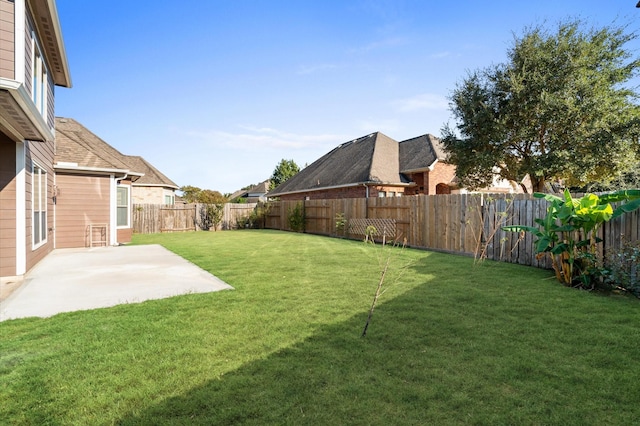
(621, 268)
(341, 223)
(296, 218)
(211, 216)
(256, 219)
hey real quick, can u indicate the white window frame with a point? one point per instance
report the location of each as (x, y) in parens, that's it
(39, 77)
(39, 206)
(119, 206)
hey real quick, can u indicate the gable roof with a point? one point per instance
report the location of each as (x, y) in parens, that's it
(152, 176)
(79, 149)
(253, 191)
(261, 188)
(366, 160)
(420, 153)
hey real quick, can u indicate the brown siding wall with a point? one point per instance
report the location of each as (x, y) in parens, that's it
(51, 117)
(81, 201)
(7, 206)
(28, 78)
(7, 40)
(124, 235)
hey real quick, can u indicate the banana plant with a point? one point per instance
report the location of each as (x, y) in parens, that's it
(568, 232)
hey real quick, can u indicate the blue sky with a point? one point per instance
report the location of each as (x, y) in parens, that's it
(216, 93)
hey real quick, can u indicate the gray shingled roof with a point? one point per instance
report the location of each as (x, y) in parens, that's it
(420, 153)
(152, 176)
(76, 144)
(261, 188)
(375, 158)
(369, 159)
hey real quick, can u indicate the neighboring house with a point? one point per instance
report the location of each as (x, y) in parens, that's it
(376, 166)
(372, 166)
(256, 193)
(92, 189)
(152, 188)
(32, 62)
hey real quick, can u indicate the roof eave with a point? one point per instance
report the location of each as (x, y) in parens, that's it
(348, 185)
(48, 23)
(429, 168)
(159, 185)
(76, 169)
(20, 117)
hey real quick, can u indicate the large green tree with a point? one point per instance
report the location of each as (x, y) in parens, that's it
(559, 109)
(193, 194)
(283, 171)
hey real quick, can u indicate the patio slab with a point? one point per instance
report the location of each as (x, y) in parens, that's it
(89, 278)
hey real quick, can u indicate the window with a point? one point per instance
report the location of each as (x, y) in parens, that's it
(382, 194)
(39, 75)
(123, 206)
(39, 205)
(169, 199)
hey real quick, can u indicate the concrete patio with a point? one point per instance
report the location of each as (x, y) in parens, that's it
(89, 278)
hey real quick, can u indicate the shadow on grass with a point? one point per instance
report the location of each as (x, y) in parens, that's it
(425, 360)
(332, 377)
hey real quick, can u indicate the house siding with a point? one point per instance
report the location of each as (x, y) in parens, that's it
(28, 52)
(74, 213)
(7, 40)
(125, 235)
(51, 113)
(40, 153)
(7, 206)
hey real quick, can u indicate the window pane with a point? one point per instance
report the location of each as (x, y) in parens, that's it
(39, 204)
(36, 189)
(123, 196)
(123, 216)
(36, 227)
(43, 230)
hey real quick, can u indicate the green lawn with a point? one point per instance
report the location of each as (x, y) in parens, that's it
(450, 343)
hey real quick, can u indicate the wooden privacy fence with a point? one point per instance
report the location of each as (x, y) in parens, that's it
(460, 223)
(234, 212)
(154, 218)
